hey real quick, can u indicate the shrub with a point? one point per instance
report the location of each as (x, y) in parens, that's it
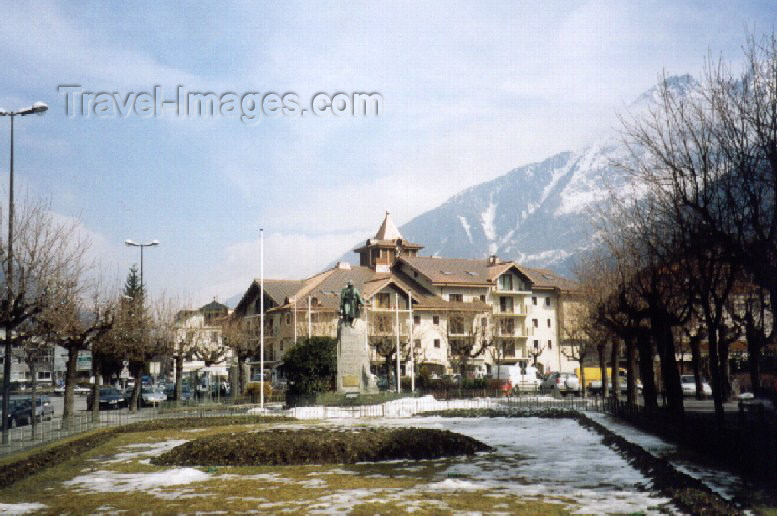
(253, 389)
(315, 446)
(310, 366)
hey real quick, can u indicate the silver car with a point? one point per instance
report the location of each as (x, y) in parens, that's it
(688, 383)
(561, 383)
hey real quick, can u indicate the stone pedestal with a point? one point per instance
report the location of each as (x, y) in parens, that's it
(353, 359)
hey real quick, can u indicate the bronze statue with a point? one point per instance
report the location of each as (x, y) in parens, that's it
(350, 303)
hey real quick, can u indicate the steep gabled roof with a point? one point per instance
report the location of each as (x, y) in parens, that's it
(546, 278)
(388, 230)
(457, 270)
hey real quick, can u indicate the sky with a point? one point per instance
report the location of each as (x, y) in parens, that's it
(469, 91)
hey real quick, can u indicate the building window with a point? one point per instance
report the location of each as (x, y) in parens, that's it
(288, 319)
(534, 300)
(416, 319)
(456, 298)
(44, 375)
(456, 325)
(550, 344)
(383, 300)
(535, 322)
(547, 301)
(548, 323)
(506, 282)
(436, 319)
(506, 304)
(483, 297)
(437, 343)
(417, 343)
(536, 344)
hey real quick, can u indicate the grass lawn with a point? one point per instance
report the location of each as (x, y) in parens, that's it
(118, 476)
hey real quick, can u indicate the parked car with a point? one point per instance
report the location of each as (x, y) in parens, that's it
(78, 390)
(43, 409)
(523, 379)
(110, 398)
(561, 383)
(186, 392)
(152, 396)
(688, 383)
(19, 412)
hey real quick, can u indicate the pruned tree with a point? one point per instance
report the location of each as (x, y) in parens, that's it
(48, 263)
(76, 324)
(470, 339)
(243, 344)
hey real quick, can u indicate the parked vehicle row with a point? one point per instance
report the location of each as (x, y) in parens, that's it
(21, 411)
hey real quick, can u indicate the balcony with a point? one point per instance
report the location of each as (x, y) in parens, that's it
(514, 292)
(517, 332)
(511, 311)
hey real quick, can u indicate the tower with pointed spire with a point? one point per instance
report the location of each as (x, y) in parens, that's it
(380, 251)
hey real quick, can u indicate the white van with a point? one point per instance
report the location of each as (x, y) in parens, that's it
(525, 379)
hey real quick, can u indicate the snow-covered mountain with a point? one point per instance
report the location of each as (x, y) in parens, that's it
(538, 214)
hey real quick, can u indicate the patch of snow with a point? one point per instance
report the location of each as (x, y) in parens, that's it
(487, 220)
(20, 508)
(465, 225)
(151, 450)
(722, 482)
(455, 484)
(104, 481)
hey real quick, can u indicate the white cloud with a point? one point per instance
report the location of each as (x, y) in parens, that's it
(286, 256)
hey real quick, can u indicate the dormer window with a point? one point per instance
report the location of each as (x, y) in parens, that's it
(506, 282)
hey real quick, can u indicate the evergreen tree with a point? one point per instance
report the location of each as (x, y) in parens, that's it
(132, 287)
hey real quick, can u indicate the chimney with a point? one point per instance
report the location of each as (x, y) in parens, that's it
(343, 265)
(492, 260)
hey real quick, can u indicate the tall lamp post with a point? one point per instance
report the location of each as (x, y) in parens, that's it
(130, 243)
(36, 109)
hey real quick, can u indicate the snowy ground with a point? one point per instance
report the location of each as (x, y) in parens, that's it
(539, 457)
(722, 482)
(550, 461)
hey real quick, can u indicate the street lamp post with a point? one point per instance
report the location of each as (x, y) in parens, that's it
(36, 109)
(130, 243)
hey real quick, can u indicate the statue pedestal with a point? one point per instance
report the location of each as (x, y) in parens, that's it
(353, 359)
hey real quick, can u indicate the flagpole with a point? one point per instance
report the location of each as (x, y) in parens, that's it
(411, 345)
(261, 317)
(396, 312)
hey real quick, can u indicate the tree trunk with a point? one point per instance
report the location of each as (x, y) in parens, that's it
(670, 374)
(717, 384)
(582, 377)
(178, 377)
(725, 364)
(755, 341)
(645, 349)
(95, 390)
(614, 357)
(695, 344)
(602, 367)
(631, 372)
(137, 373)
(34, 417)
(241, 374)
(70, 383)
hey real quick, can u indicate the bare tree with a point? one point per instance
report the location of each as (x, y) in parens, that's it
(76, 324)
(48, 266)
(243, 345)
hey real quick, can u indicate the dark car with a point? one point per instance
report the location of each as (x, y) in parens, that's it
(186, 393)
(43, 408)
(110, 398)
(19, 412)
